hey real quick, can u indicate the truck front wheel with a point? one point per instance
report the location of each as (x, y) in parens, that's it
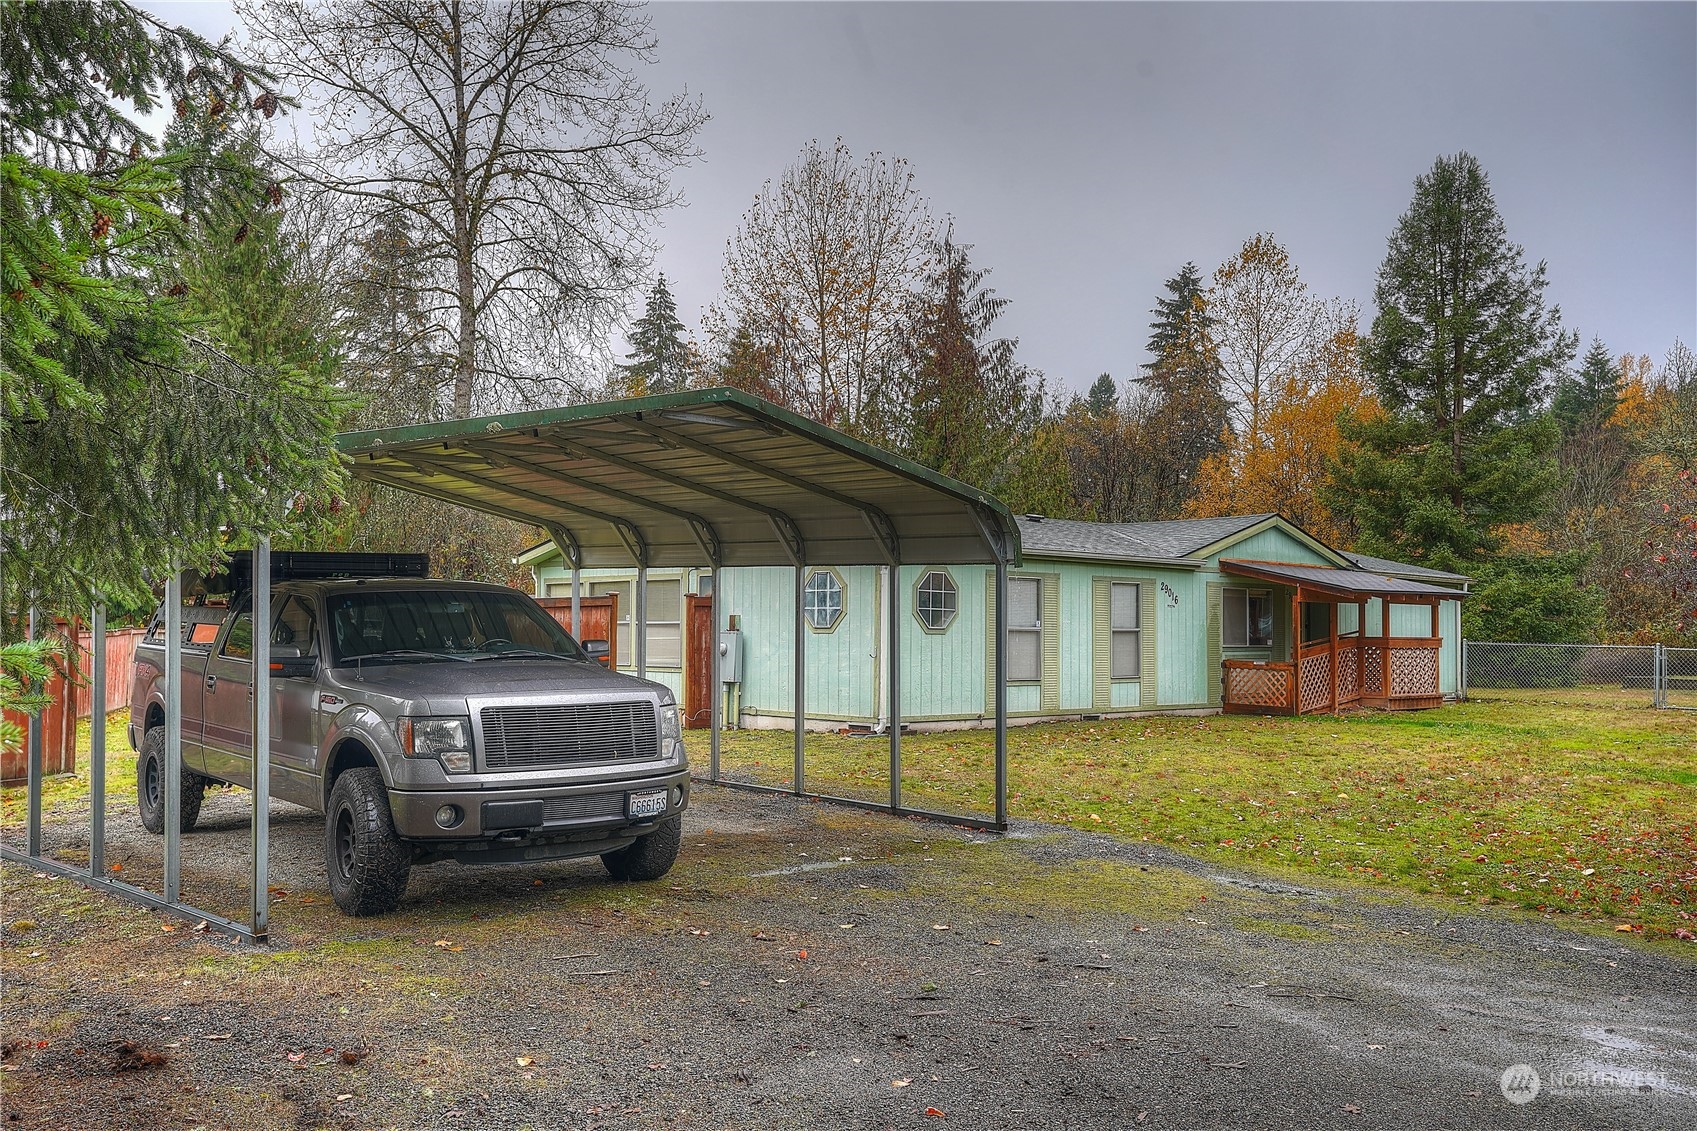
(367, 861)
(648, 857)
(150, 787)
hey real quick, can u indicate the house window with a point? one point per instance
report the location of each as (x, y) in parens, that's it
(665, 623)
(1025, 629)
(1246, 618)
(822, 600)
(936, 601)
(665, 620)
(1126, 649)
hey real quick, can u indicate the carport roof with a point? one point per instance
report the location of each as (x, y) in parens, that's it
(710, 477)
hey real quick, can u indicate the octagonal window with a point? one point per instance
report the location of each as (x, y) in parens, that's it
(936, 600)
(822, 600)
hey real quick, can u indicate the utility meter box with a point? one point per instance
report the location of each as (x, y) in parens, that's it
(730, 656)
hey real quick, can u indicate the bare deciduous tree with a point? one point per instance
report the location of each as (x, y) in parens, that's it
(1264, 322)
(821, 274)
(520, 143)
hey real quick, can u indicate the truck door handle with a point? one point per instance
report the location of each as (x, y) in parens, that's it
(211, 683)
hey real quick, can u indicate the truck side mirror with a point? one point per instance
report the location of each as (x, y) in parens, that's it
(287, 661)
(600, 651)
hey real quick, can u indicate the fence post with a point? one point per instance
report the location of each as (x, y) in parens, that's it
(1659, 680)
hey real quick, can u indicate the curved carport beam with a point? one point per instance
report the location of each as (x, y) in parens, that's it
(706, 537)
(789, 534)
(402, 483)
(883, 530)
(627, 531)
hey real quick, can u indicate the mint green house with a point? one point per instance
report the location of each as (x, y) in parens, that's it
(1243, 613)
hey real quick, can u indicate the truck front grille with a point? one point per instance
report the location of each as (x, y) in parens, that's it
(583, 808)
(523, 737)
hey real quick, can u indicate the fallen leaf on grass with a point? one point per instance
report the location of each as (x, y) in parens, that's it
(297, 1057)
(526, 1061)
(167, 927)
(1353, 1109)
(344, 1096)
(1629, 927)
(354, 1056)
(940, 927)
(935, 1114)
(902, 1083)
(219, 1036)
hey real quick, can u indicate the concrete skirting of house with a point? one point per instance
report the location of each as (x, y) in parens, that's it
(767, 720)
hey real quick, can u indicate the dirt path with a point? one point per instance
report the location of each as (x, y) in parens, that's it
(811, 967)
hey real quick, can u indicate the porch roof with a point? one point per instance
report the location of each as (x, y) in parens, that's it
(1343, 584)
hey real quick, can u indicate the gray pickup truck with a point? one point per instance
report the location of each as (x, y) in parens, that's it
(428, 720)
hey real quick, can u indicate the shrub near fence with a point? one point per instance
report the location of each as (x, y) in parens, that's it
(1650, 675)
(59, 725)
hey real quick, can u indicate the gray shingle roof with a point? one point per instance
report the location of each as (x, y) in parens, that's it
(1155, 541)
(1401, 569)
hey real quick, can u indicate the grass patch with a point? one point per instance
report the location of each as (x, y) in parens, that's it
(1564, 808)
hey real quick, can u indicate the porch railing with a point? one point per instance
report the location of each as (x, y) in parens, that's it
(1394, 673)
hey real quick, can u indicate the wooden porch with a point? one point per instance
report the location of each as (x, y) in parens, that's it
(1341, 669)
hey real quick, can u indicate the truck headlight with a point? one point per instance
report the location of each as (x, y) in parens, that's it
(671, 731)
(446, 739)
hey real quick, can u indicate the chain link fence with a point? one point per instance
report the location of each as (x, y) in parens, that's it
(1604, 675)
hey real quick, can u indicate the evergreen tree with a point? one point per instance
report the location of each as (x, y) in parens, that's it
(131, 435)
(1461, 353)
(659, 361)
(973, 405)
(1186, 410)
(1585, 400)
(396, 364)
(1104, 394)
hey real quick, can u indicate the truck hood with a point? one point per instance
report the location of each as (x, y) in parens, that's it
(448, 679)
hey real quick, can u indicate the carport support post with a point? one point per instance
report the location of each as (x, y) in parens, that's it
(577, 604)
(32, 834)
(800, 679)
(173, 784)
(641, 633)
(261, 826)
(1001, 691)
(716, 710)
(97, 743)
(893, 611)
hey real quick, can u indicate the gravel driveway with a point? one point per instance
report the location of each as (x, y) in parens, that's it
(810, 966)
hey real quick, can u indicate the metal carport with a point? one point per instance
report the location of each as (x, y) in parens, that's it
(713, 478)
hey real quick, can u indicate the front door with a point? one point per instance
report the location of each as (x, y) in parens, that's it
(699, 642)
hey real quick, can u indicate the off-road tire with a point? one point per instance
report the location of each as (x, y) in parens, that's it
(150, 787)
(367, 862)
(648, 857)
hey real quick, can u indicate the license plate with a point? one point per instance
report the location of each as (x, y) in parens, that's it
(650, 804)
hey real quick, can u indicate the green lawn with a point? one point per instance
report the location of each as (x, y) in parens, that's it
(1562, 808)
(1579, 811)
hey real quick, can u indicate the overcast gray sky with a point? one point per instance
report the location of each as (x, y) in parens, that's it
(1088, 150)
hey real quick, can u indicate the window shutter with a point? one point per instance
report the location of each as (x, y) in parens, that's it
(1101, 647)
(1051, 687)
(1214, 674)
(1146, 671)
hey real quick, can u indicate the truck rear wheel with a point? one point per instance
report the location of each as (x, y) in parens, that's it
(648, 857)
(367, 861)
(150, 787)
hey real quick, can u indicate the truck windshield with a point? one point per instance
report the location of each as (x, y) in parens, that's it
(413, 625)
